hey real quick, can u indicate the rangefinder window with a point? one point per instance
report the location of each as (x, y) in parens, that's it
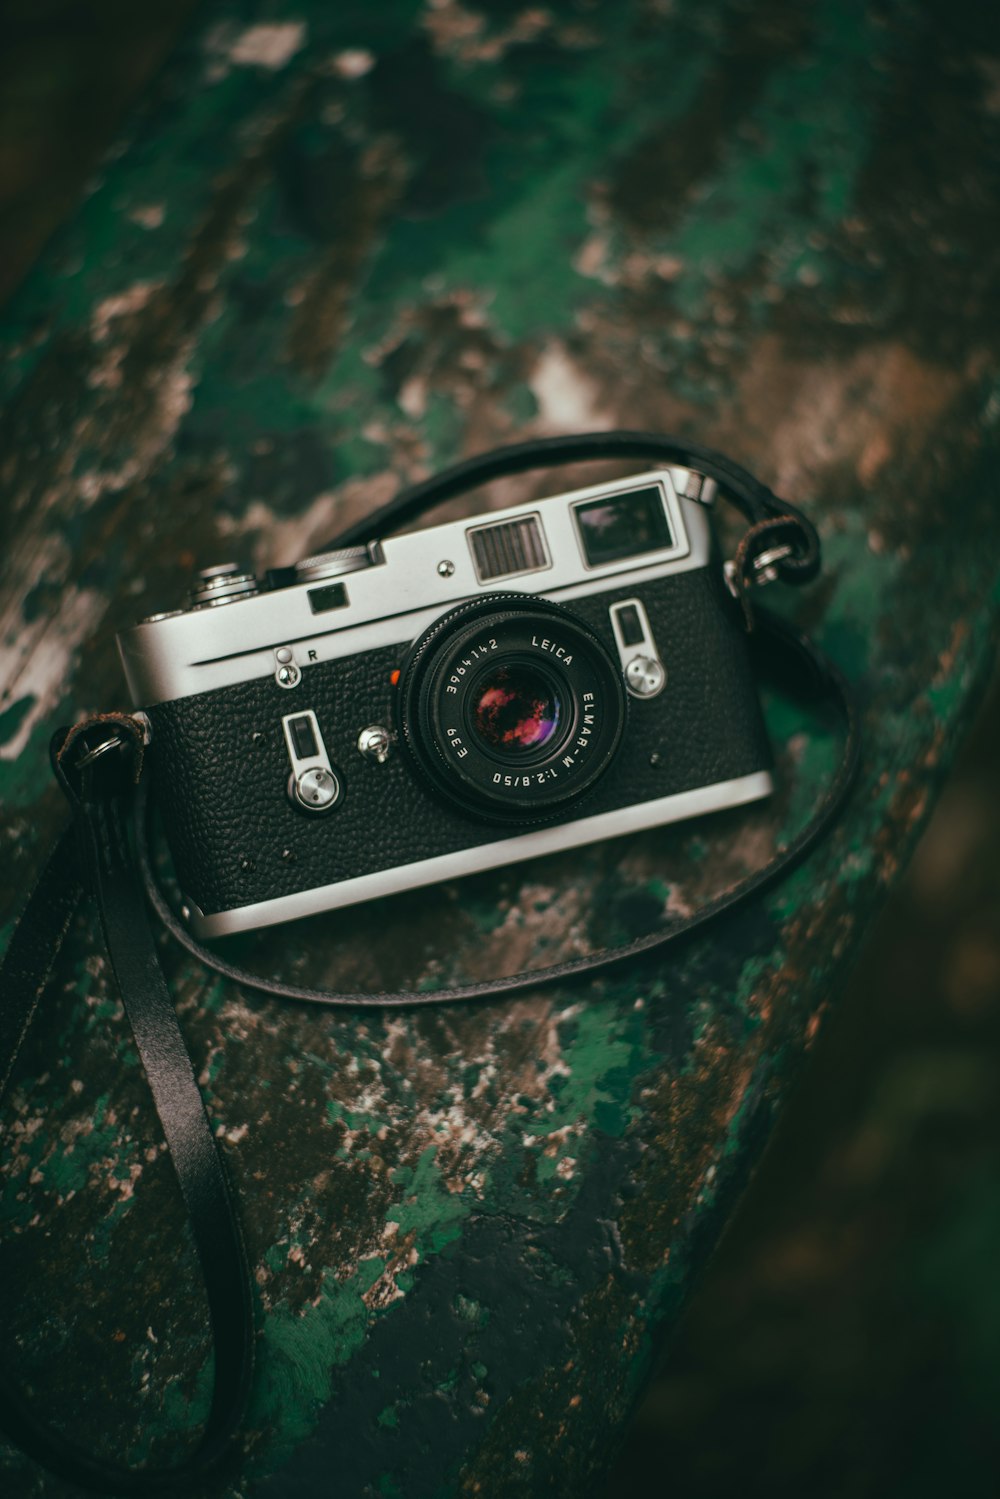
(623, 525)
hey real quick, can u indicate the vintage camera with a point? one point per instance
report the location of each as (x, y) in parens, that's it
(447, 701)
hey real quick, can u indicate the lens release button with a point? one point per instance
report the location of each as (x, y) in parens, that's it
(375, 743)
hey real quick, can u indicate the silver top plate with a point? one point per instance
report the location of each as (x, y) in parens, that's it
(397, 597)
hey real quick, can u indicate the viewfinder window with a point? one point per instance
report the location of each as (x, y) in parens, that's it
(330, 596)
(623, 525)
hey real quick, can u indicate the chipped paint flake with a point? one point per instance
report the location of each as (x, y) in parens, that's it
(148, 215)
(38, 661)
(566, 394)
(353, 62)
(122, 304)
(268, 46)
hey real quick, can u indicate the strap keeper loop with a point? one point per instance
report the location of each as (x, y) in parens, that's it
(81, 752)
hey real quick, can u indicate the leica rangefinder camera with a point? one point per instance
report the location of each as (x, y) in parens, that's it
(447, 701)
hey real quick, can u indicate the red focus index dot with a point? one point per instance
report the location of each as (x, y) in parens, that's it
(395, 677)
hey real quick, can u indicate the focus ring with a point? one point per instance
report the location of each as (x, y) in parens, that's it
(507, 646)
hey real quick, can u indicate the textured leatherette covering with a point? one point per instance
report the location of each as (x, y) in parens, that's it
(220, 764)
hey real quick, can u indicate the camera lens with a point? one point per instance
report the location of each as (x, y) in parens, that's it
(515, 709)
(511, 707)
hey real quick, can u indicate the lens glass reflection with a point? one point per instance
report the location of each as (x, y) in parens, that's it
(515, 709)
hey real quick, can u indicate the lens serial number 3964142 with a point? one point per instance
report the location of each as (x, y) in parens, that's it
(476, 652)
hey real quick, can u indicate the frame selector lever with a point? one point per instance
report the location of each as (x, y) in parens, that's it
(313, 784)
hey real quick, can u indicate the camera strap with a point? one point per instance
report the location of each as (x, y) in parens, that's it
(106, 853)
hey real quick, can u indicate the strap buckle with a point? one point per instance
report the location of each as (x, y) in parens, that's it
(765, 563)
(113, 742)
(75, 752)
(764, 568)
(758, 560)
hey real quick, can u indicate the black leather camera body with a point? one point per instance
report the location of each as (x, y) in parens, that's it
(447, 701)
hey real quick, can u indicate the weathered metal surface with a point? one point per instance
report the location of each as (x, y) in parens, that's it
(342, 246)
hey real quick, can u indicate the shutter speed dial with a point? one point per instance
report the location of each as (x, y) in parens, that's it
(221, 585)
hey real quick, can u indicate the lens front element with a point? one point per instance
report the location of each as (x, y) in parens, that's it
(515, 709)
(512, 707)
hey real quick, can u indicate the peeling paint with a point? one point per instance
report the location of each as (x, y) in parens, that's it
(567, 397)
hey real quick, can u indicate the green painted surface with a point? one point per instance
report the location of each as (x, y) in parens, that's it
(331, 257)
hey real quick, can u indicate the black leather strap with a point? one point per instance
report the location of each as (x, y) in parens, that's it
(98, 854)
(34, 947)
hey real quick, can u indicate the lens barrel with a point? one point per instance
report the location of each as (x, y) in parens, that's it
(511, 707)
